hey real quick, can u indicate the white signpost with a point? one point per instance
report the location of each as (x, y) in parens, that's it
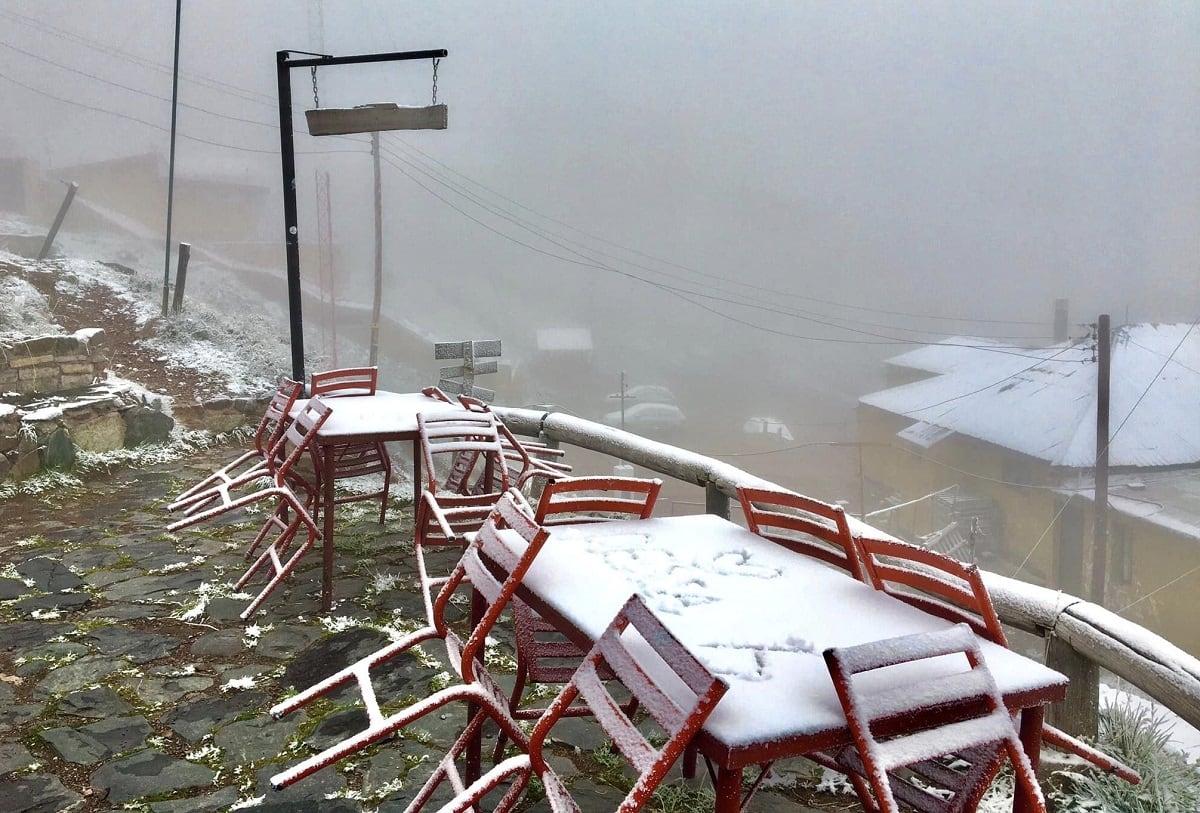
(468, 353)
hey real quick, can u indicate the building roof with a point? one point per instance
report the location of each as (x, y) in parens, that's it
(1042, 402)
(1170, 499)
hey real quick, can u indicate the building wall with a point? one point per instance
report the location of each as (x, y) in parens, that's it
(1034, 523)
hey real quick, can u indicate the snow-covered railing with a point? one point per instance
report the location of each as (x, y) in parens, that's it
(1081, 637)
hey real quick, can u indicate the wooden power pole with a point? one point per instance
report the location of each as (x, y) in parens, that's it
(1100, 526)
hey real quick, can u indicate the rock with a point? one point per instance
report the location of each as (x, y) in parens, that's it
(255, 740)
(330, 654)
(148, 773)
(145, 425)
(12, 757)
(49, 576)
(60, 449)
(195, 719)
(38, 793)
(133, 645)
(98, 702)
(222, 800)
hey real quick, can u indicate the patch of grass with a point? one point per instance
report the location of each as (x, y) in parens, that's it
(1139, 736)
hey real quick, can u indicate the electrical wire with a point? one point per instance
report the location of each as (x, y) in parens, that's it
(692, 270)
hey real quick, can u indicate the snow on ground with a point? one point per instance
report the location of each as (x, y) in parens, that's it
(1184, 738)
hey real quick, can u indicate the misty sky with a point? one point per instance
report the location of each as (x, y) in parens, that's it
(928, 159)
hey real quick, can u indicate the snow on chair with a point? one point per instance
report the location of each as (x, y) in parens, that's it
(461, 442)
(254, 463)
(667, 681)
(294, 445)
(354, 459)
(465, 657)
(934, 743)
(954, 590)
(803, 525)
(544, 654)
(523, 459)
(290, 516)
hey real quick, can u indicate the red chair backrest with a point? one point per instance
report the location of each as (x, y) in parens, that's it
(905, 722)
(476, 566)
(345, 381)
(802, 524)
(470, 439)
(596, 499)
(297, 439)
(275, 419)
(932, 581)
(645, 657)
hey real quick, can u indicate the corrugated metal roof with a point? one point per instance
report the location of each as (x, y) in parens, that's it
(1042, 402)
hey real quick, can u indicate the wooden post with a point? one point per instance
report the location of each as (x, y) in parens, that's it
(1078, 715)
(1100, 525)
(375, 308)
(72, 188)
(715, 501)
(185, 252)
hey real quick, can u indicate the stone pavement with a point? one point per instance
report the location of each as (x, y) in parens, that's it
(127, 680)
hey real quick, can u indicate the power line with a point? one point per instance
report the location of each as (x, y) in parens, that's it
(159, 127)
(686, 295)
(567, 244)
(147, 93)
(692, 270)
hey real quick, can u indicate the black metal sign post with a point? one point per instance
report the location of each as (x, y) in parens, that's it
(283, 65)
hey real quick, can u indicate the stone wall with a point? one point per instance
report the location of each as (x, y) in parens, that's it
(49, 364)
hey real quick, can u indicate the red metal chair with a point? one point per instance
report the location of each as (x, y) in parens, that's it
(545, 655)
(460, 442)
(290, 517)
(524, 459)
(676, 690)
(253, 463)
(354, 459)
(934, 743)
(954, 590)
(293, 447)
(802, 524)
(465, 657)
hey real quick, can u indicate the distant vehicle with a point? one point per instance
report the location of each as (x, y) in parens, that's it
(771, 427)
(646, 394)
(648, 419)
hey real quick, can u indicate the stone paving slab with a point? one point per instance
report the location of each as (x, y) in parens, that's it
(128, 681)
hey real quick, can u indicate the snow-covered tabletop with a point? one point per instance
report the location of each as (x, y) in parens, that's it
(382, 416)
(756, 614)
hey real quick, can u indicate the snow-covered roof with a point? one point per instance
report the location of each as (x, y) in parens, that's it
(1042, 402)
(1170, 499)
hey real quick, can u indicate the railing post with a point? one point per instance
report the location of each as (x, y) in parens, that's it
(715, 501)
(1078, 715)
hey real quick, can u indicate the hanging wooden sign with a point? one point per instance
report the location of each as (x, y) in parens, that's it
(369, 118)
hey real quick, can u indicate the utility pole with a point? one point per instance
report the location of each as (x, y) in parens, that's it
(375, 307)
(1100, 526)
(171, 167)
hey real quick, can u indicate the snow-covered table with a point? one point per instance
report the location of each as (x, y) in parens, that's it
(758, 616)
(384, 416)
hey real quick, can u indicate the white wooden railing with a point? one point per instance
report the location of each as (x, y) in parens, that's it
(1080, 638)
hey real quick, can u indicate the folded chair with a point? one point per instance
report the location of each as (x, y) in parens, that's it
(465, 657)
(803, 525)
(636, 651)
(354, 459)
(954, 590)
(524, 459)
(933, 743)
(274, 481)
(253, 463)
(460, 443)
(545, 655)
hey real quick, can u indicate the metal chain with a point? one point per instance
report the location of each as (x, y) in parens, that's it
(316, 99)
(435, 67)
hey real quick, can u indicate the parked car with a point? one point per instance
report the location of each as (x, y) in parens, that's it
(648, 419)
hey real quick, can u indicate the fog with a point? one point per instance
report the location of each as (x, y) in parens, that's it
(753, 203)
